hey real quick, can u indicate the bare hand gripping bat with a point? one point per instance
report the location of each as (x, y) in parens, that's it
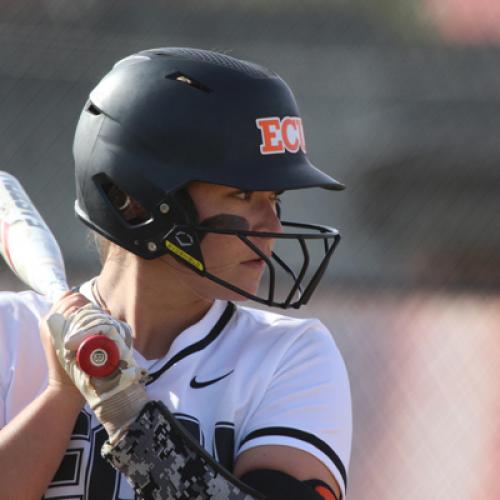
(32, 252)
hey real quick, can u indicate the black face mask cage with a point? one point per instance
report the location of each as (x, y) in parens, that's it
(299, 293)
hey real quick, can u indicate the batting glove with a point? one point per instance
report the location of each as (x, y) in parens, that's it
(118, 398)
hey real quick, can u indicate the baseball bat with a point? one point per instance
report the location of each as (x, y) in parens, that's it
(32, 252)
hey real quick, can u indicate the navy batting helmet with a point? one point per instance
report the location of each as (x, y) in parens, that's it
(163, 118)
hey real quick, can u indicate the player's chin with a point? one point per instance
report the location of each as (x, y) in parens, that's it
(246, 278)
(249, 285)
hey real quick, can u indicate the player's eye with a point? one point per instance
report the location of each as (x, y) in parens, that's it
(243, 195)
(247, 195)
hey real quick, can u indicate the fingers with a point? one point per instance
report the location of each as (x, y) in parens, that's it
(69, 303)
(72, 319)
(87, 327)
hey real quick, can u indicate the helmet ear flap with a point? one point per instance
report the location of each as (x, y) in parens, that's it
(185, 202)
(183, 242)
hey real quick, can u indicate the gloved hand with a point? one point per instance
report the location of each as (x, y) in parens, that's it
(118, 398)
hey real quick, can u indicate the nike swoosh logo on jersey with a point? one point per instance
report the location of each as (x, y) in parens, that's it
(195, 384)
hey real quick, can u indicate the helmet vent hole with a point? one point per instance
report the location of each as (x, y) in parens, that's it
(93, 109)
(187, 80)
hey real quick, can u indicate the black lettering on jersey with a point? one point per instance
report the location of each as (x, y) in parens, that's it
(95, 477)
(192, 426)
(103, 478)
(67, 474)
(223, 444)
(83, 473)
(82, 426)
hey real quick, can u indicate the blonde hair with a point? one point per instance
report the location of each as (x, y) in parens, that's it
(106, 249)
(101, 244)
(131, 211)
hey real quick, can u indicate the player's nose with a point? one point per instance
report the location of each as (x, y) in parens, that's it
(267, 216)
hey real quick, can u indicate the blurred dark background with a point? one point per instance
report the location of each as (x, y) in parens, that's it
(406, 119)
(401, 102)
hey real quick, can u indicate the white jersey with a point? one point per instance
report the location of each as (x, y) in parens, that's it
(238, 378)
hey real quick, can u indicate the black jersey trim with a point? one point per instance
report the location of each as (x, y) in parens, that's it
(303, 436)
(197, 346)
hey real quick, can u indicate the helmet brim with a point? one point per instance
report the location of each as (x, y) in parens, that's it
(301, 175)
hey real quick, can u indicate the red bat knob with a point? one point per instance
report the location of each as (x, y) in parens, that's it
(98, 356)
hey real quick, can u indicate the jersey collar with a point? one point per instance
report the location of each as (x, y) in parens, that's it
(194, 338)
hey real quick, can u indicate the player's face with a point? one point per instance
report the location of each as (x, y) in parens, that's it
(226, 256)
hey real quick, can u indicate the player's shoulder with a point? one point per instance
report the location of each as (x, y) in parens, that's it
(275, 326)
(18, 305)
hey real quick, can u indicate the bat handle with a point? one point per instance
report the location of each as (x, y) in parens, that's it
(98, 356)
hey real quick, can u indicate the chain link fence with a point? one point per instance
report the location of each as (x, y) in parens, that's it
(401, 102)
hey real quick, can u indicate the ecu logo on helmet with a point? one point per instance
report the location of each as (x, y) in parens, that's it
(281, 135)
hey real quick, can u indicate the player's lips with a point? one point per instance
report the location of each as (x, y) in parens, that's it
(254, 263)
(257, 262)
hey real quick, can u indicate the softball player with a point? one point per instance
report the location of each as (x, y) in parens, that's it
(180, 157)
